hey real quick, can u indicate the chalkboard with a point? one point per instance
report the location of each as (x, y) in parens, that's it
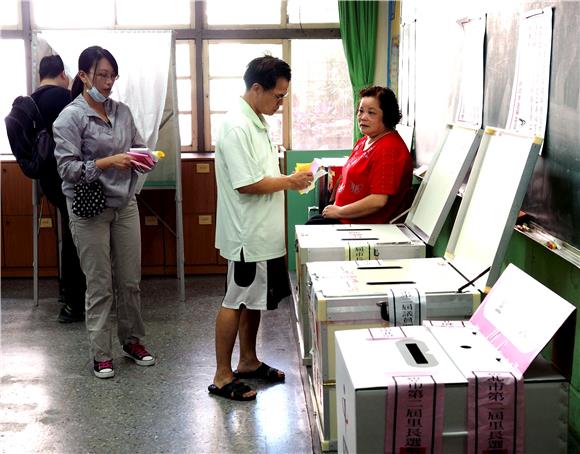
(553, 197)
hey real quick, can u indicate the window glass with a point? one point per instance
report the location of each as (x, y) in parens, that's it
(185, 129)
(73, 13)
(246, 12)
(9, 16)
(225, 93)
(13, 83)
(322, 102)
(275, 125)
(227, 64)
(184, 94)
(183, 59)
(153, 12)
(309, 12)
(230, 59)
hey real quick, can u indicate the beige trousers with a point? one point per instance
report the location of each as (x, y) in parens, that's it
(109, 249)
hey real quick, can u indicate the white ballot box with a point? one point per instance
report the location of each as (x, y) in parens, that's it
(366, 293)
(321, 243)
(452, 387)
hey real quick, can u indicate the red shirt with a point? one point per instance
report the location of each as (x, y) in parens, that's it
(386, 168)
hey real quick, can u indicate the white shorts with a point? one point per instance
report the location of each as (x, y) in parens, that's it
(256, 285)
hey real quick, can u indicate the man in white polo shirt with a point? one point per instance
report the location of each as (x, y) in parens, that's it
(250, 225)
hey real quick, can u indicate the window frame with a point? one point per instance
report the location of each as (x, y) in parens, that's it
(115, 25)
(284, 23)
(206, 84)
(19, 22)
(193, 148)
(197, 33)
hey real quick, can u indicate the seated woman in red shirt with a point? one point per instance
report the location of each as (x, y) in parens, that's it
(379, 171)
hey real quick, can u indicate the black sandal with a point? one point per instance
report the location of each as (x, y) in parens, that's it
(264, 372)
(234, 390)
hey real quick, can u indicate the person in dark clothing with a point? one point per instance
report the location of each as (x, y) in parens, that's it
(51, 97)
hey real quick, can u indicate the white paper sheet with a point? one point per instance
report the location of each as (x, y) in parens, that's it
(529, 102)
(470, 105)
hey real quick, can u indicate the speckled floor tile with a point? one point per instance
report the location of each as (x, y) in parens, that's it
(51, 403)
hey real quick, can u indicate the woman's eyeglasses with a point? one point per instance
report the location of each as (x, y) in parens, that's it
(105, 76)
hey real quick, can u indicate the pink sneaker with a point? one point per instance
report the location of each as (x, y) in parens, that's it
(138, 354)
(103, 369)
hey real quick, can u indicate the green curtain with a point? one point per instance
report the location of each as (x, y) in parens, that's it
(358, 30)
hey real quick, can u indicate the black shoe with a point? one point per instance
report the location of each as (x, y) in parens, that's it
(67, 315)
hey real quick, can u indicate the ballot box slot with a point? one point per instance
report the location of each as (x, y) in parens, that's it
(378, 267)
(391, 283)
(359, 239)
(416, 353)
(354, 230)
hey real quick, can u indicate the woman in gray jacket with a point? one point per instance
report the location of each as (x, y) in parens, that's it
(93, 135)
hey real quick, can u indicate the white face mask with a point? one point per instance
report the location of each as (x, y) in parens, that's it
(96, 94)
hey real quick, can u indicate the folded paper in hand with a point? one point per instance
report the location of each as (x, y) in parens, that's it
(317, 170)
(141, 158)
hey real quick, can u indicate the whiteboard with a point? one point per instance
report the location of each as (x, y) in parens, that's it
(492, 198)
(440, 186)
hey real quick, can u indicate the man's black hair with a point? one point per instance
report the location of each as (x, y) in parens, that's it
(50, 66)
(266, 71)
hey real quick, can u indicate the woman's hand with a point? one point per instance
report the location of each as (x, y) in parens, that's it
(363, 207)
(331, 211)
(119, 161)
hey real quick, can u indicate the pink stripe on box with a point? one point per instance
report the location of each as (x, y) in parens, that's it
(495, 413)
(414, 416)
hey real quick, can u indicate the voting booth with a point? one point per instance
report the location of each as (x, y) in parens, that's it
(447, 386)
(321, 243)
(371, 293)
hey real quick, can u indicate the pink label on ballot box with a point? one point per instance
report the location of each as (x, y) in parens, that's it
(414, 415)
(390, 333)
(446, 323)
(495, 413)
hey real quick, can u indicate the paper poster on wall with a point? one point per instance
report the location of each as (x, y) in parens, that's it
(529, 102)
(407, 69)
(470, 104)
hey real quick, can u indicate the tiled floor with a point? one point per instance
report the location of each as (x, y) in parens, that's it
(52, 403)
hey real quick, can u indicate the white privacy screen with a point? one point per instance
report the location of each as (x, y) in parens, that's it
(492, 197)
(442, 177)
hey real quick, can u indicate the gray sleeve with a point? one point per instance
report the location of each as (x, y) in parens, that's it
(67, 131)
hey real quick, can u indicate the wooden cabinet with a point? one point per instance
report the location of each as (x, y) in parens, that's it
(152, 229)
(199, 188)
(157, 218)
(158, 223)
(17, 227)
(199, 208)
(16, 191)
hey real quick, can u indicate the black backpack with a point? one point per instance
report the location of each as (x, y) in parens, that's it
(31, 143)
